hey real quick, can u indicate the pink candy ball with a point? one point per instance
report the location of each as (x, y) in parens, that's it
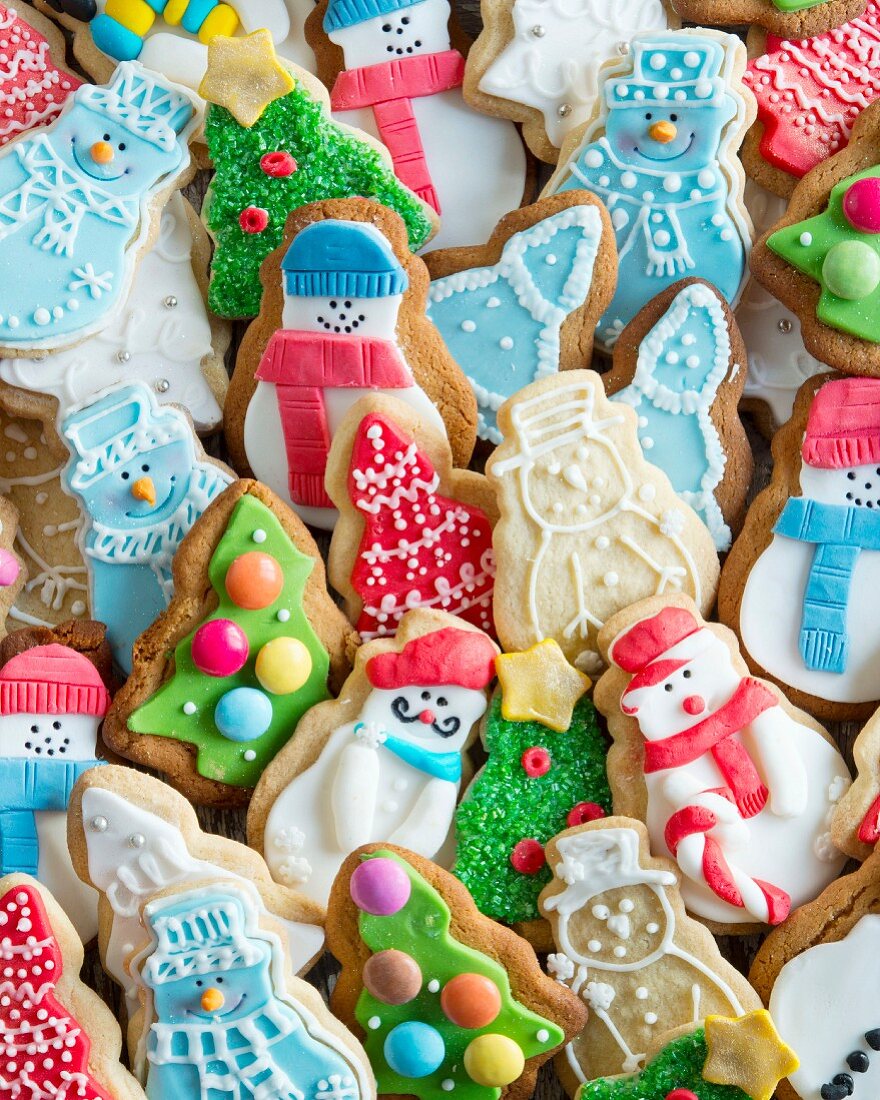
(9, 569)
(861, 205)
(380, 887)
(219, 648)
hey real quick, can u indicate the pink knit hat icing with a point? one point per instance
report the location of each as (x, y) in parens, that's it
(843, 426)
(52, 679)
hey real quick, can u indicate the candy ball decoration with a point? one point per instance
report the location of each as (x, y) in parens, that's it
(253, 219)
(278, 165)
(861, 205)
(380, 887)
(582, 812)
(851, 270)
(414, 1049)
(243, 714)
(254, 580)
(528, 856)
(535, 761)
(392, 977)
(9, 568)
(493, 1060)
(283, 665)
(470, 1000)
(219, 648)
(681, 1094)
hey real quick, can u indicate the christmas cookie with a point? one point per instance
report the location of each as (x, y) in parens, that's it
(222, 1011)
(79, 205)
(59, 1038)
(797, 586)
(164, 336)
(342, 314)
(446, 1000)
(12, 571)
(661, 152)
(412, 531)
(587, 525)
(545, 770)
(681, 364)
(795, 19)
(250, 641)
(538, 63)
(142, 480)
(526, 303)
(856, 824)
(392, 70)
(132, 836)
(275, 148)
(626, 947)
(383, 761)
(733, 782)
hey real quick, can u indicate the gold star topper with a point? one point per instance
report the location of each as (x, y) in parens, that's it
(539, 685)
(747, 1052)
(244, 76)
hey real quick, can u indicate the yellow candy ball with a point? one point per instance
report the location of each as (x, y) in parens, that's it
(493, 1060)
(283, 665)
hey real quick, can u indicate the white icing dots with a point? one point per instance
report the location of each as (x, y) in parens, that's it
(619, 952)
(647, 493)
(628, 180)
(468, 326)
(661, 238)
(611, 579)
(651, 1018)
(602, 542)
(433, 986)
(249, 755)
(594, 945)
(42, 316)
(283, 615)
(691, 59)
(706, 178)
(259, 535)
(447, 1084)
(593, 158)
(652, 927)
(692, 361)
(505, 343)
(672, 183)
(374, 1023)
(641, 993)
(806, 239)
(543, 1035)
(189, 708)
(550, 260)
(658, 61)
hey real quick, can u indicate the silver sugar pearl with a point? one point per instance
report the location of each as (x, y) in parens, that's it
(623, 48)
(162, 385)
(123, 356)
(563, 110)
(784, 326)
(171, 302)
(137, 840)
(99, 824)
(538, 31)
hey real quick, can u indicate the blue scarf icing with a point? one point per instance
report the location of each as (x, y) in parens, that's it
(440, 765)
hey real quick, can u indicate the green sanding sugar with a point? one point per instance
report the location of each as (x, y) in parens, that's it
(506, 805)
(331, 164)
(679, 1065)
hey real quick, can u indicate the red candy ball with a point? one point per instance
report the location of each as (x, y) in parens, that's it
(584, 812)
(681, 1094)
(219, 648)
(254, 580)
(861, 205)
(393, 977)
(535, 761)
(278, 165)
(470, 1000)
(528, 857)
(253, 219)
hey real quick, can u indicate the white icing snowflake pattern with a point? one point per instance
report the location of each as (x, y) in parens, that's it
(295, 868)
(560, 966)
(599, 996)
(370, 734)
(671, 523)
(336, 1087)
(88, 279)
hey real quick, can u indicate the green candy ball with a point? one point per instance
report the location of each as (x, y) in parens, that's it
(851, 270)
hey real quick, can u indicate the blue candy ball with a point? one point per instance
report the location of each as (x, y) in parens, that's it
(243, 714)
(414, 1049)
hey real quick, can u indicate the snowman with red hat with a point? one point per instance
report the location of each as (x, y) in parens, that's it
(393, 771)
(739, 789)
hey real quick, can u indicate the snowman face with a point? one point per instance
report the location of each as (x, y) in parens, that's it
(372, 317)
(577, 486)
(675, 137)
(438, 719)
(143, 491)
(418, 29)
(239, 991)
(48, 736)
(853, 486)
(617, 927)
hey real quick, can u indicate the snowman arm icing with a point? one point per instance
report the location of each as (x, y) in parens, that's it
(427, 824)
(353, 795)
(771, 737)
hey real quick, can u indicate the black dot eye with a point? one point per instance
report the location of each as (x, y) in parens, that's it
(851, 475)
(405, 21)
(348, 305)
(441, 702)
(673, 118)
(649, 116)
(426, 695)
(35, 729)
(106, 137)
(219, 981)
(386, 27)
(56, 725)
(125, 475)
(668, 687)
(145, 469)
(333, 305)
(199, 984)
(686, 674)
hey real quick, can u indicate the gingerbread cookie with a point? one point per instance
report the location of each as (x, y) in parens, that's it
(795, 19)
(13, 573)
(535, 291)
(733, 782)
(342, 314)
(856, 824)
(250, 641)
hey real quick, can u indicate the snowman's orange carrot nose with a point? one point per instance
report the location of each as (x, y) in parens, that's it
(212, 1000)
(102, 152)
(144, 489)
(663, 131)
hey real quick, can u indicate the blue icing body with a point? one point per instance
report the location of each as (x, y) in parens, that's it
(502, 324)
(657, 158)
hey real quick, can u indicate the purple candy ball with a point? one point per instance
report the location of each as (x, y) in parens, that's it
(380, 887)
(9, 569)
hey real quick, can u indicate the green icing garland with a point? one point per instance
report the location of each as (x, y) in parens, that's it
(796, 5)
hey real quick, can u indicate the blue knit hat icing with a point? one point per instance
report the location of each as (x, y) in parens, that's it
(342, 259)
(347, 13)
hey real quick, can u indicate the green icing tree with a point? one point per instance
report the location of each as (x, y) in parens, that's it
(509, 803)
(186, 706)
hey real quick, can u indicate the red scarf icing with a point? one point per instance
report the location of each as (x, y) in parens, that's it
(389, 88)
(714, 734)
(301, 365)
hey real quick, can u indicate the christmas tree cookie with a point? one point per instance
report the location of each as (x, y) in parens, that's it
(447, 1000)
(546, 770)
(795, 19)
(249, 643)
(274, 148)
(59, 1038)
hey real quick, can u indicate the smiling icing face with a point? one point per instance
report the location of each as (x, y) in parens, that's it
(147, 488)
(438, 719)
(341, 316)
(417, 29)
(221, 995)
(48, 736)
(681, 138)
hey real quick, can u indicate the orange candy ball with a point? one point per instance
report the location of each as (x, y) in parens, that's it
(470, 1000)
(254, 580)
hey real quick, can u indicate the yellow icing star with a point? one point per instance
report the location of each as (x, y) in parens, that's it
(244, 76)
(540, 685)
(747, 1052)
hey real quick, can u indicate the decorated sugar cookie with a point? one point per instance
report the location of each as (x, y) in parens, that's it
(626, 947)
(343, 315)
(732, 781)
(393, 71)
(525, 304)
(681, 364)
(856, 825)
(384, 760)
(795, 19)
(587, 525)
(447, 1001)
(13, 573)
(660, 152)
(412, 531)
(250, 641)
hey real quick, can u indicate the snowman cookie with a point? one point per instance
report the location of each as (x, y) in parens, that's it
(412, 532)
(795, 19)
(661, 152)
(587, 524)
(681, 364)
(384, 760)
(394, 71)
(626, 947)
(797, 584)
(342, 315)
(733, 782)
